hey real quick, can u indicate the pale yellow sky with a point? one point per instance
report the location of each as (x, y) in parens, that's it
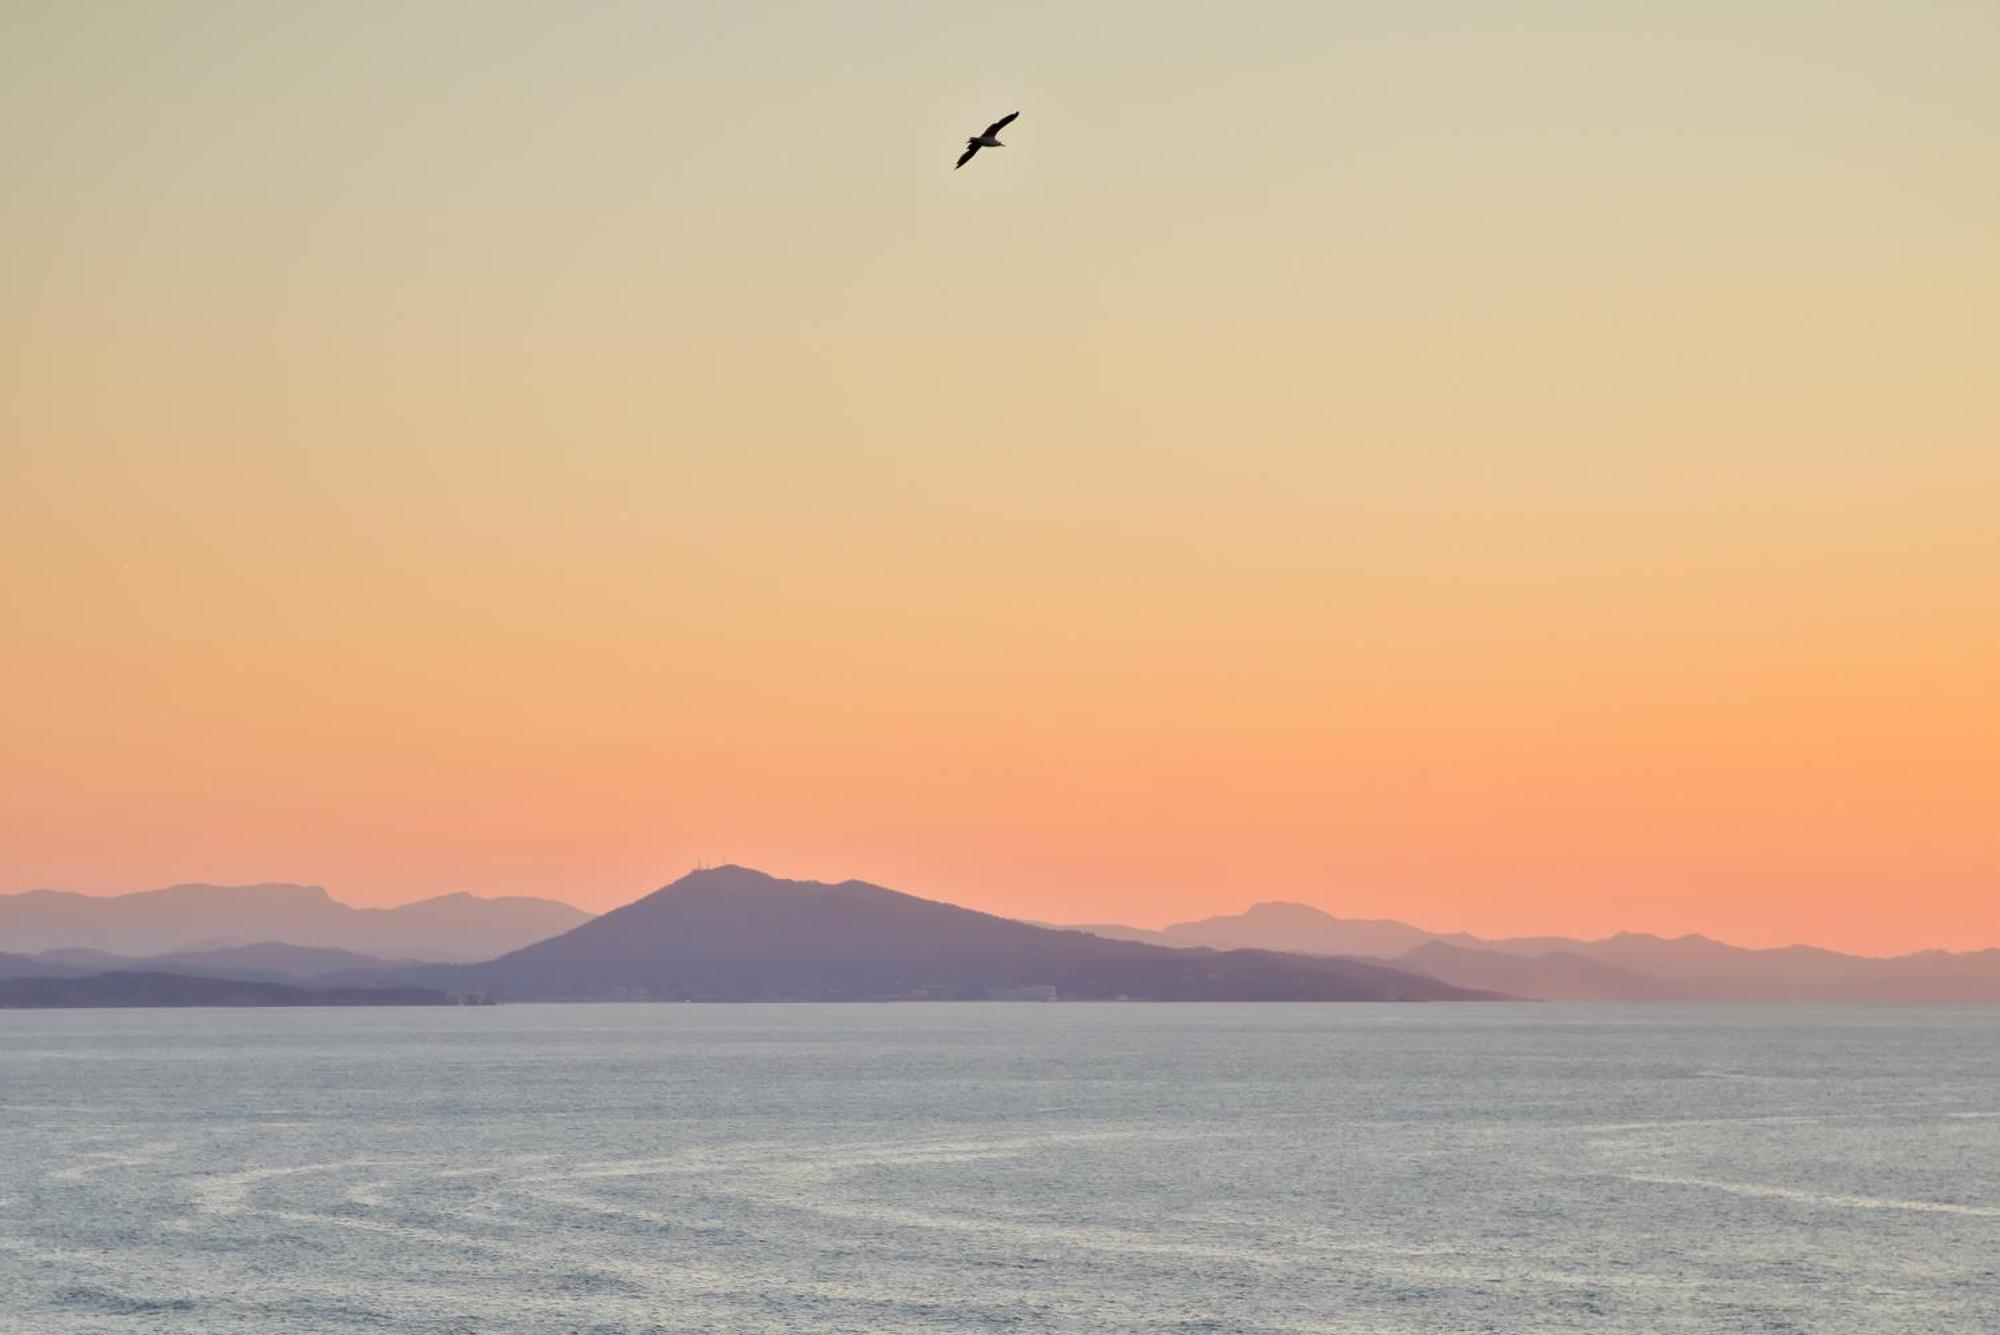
(1515, 467)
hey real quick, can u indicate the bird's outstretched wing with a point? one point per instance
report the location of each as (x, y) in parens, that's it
(997, 126)
(966, 156)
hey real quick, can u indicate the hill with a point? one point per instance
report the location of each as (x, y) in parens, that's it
(204, 917)
(33, 966)
(266, 961)
(167, 989)
(1276, 925)
(1554, 975)
(1711, 970)
(1630, 966)
(734, 934)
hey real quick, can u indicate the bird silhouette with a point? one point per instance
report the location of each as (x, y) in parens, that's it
(989, 138)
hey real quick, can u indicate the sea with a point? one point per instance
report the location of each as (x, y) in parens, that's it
(997, 1166)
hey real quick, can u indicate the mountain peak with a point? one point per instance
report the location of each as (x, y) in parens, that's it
(732, 878)
(734, 873)
(1285, 908)
(735, 933)
(1286, 925)
(269, 890)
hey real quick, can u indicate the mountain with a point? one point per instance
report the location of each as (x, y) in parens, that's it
(33, 966)
(1555, 975)
(1275, 925)
(1714, 971)
(166, 989)
(1631, 966)
(75, 960)
(267, 961)
(1112, 930)
(202, 917)
(733, 934)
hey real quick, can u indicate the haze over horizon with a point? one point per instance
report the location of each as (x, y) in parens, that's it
(1513, 471)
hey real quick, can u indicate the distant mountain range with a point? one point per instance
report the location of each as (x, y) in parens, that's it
(167, 989)
(733, 934)
(1281, 926)
(206, 917)
(1555, 975)
(1630, 966)
(268, 962)
(32, 966)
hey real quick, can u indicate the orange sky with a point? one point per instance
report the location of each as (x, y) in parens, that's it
(1525, 473)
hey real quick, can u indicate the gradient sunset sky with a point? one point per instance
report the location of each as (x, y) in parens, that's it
(1525, 467)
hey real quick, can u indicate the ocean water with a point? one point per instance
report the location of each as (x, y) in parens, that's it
(1002, 1167)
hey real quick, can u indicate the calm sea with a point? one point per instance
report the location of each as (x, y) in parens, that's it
(976, 1167)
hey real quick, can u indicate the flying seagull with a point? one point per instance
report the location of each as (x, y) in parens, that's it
(989, 139)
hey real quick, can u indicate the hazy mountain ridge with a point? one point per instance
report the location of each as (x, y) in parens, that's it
(1713, 970)
(1556, 975)
(1279, 925)
(199, 917)
(1629, 966)
(266, 961)
(135, 989)
(731, 933)
(33, 966)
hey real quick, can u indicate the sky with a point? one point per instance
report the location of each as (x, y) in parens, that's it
(1524, 467)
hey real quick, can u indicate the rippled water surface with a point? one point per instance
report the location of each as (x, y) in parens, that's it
(973, 1167)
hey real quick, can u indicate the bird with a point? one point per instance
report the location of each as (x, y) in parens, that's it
(989, 138)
